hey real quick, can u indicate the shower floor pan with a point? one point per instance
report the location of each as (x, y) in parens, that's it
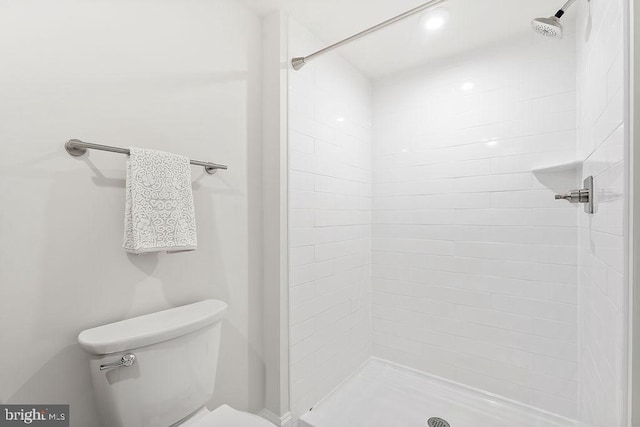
(382, 394)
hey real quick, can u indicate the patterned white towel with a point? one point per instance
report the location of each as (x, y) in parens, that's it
(159, 212)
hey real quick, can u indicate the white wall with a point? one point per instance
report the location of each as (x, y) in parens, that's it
(329, 222)
(603, 295)
(275, 196)
(180, 76)
(633, 20)
(474, 262)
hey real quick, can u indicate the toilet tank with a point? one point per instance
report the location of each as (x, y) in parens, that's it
(176, 355)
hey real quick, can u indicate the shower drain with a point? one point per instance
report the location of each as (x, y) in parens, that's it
(437, 422)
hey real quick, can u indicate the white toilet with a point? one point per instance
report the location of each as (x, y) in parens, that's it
(159, 370)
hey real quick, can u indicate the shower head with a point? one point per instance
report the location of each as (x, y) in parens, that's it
(548, 27)
(551, 27)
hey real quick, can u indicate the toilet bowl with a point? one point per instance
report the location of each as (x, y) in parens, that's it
(159, 370)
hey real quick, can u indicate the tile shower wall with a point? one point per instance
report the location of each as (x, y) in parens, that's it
(474, 262)
(329, 230)
(602, 299)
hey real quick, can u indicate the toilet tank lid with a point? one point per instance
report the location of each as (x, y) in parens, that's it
(151, 328)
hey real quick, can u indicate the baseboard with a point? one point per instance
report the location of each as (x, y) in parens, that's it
(283, 421)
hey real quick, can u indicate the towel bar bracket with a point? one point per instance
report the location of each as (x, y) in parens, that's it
(73, 149)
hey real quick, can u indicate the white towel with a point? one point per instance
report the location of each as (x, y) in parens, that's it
(159, 212)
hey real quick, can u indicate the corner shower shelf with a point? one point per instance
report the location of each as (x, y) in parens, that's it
(560, 167)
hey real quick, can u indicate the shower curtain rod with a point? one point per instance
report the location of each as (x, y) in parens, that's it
(77, 148)
(301, 61)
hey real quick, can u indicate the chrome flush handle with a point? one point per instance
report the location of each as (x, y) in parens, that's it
(126, 361)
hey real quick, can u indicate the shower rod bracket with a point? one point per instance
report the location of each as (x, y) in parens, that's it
(298, 63)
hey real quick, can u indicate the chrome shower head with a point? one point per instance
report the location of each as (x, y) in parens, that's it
(551, 27)
(548, 27)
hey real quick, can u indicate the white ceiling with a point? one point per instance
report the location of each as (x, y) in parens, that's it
(473, 23)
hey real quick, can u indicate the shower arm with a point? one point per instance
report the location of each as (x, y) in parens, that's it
(301, 61)
(564, 8)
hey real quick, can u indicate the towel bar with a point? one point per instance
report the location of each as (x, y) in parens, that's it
(77, 148)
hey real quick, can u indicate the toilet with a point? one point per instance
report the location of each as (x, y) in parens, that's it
(159, 370)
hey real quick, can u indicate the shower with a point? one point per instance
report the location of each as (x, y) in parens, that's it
(551, 26)
(426, 238)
